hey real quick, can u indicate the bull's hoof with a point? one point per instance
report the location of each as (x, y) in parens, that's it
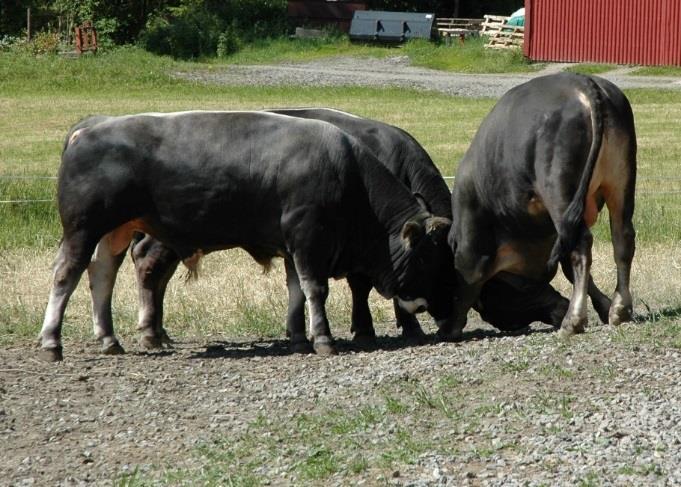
(51, 354)
(151, 342)
(301, 345)
(324, 346)
(572, 326)
(619, 314)
(113, 349)
(414, 336)
(453, 336)
(363, 341)
(522, 330)
(565, 332)
(165, 338)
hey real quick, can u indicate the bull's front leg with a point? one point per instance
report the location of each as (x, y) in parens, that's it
(362, 322)
(316, 291)
(295, 315)
(451, 330)
(411, 328)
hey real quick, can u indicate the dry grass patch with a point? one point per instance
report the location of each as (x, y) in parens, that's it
(234, 298)
(231, 298)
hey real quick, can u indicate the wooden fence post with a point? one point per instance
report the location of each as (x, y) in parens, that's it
(28, 24)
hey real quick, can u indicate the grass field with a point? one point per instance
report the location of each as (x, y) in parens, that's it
(41, 99)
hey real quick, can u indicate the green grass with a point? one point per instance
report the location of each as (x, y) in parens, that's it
(658, 71)
(330, 443)
(472, 57)
(587, 68)
(280, 50)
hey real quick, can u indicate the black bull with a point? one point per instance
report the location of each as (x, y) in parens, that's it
(543, 163)
(273, 185)
(396, 149)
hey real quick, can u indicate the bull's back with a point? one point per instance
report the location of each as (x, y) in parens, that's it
(396, 149)
(217, 175)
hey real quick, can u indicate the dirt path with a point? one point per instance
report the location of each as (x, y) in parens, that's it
(396, 71)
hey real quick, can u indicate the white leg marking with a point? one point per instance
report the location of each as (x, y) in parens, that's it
(414, 305)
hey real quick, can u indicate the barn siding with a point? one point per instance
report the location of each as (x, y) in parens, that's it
(609, 31)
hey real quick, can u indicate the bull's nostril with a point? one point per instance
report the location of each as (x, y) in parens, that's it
(420, 309)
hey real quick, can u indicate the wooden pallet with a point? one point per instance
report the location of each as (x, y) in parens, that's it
(510, 37)
(448, 28)
(455, 23)
(492, 24)
(501, 35)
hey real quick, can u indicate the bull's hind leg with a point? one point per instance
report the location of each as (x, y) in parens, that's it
(600, 301)
(295, 317)
(102, 272)
(576, 318)
(154, 266)
(72, 259)
(623, 240)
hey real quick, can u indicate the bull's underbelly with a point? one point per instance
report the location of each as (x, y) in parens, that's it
(190, 241)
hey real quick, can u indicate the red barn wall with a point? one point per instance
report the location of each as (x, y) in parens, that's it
(608, 31)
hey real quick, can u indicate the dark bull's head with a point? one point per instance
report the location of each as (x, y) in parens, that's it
(429, 280)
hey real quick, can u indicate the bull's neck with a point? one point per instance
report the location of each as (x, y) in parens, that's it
(392, 203)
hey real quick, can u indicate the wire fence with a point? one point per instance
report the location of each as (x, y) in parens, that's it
(446, 178)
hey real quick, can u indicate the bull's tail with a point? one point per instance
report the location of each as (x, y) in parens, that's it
(571, 225)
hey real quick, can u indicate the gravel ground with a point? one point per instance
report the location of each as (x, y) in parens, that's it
(396, 71)
(529, 409)
(597, 410)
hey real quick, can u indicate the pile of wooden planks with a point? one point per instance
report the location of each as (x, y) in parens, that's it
(501, 35)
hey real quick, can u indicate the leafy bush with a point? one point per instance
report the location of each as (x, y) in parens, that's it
(200, 28)
(43, 43)
(228, 43)
(7, 43)
(188, 36)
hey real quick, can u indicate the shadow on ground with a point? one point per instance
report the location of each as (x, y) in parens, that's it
(225, 349)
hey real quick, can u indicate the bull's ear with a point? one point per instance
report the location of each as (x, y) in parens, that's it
(422, 202)
(412, 232)
(435, 223)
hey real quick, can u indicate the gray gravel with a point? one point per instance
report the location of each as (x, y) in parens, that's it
(397, 71)
(595, 410)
